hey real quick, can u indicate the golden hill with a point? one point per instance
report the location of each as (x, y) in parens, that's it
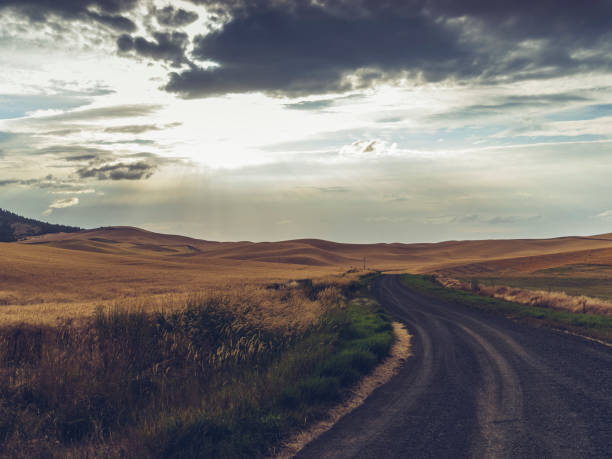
(60, 274)
(315, 252)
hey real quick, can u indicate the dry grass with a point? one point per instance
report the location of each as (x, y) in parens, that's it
(220, 373)
(33, 274)
(266, 306)
(48, 285)
(541, 298)
(68, 382)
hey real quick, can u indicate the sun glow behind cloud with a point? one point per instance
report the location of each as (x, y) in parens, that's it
(372, 144)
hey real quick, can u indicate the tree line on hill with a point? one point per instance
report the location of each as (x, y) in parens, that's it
(14, 227)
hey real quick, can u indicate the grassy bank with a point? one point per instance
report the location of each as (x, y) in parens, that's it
(205, 381)
(596, 326)
(598, 287)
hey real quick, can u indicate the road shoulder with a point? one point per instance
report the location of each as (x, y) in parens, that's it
(400, 351)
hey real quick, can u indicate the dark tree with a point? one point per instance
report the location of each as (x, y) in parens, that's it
(32, 227)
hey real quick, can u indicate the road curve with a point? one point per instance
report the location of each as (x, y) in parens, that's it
(482, 386)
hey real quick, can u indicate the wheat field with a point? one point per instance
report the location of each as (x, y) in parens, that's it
(58, 277)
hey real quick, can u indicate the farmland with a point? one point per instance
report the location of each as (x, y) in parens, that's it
(226, 347)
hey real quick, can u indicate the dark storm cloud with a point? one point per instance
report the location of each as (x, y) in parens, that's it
(113, 166)
(106, 12)
(120, 171)
(299, 47)
(310, 49)
(175, 17)
(115, 21)
(168, 46)
(571, 20)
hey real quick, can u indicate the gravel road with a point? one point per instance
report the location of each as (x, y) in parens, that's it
(479, 385)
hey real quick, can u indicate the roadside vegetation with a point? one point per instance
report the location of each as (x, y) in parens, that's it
(217, 378)
(592, 280)
(599, 286)
(592, 325)
(535, 297)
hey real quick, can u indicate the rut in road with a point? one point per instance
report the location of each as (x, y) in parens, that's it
(479, 385)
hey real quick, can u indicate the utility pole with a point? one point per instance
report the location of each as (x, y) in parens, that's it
(364, 262)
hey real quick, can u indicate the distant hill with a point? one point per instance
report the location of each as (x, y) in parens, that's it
(14, 227)
(462, 257)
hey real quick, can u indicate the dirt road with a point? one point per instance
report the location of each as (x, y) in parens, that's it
(479, 385)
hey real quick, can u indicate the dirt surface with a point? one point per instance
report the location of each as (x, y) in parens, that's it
(479, 385)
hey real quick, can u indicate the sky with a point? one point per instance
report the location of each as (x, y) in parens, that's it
(354, 121)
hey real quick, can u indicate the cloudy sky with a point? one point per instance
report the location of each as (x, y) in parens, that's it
(350, 120)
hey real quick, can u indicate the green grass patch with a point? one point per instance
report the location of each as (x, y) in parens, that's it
(595, 326)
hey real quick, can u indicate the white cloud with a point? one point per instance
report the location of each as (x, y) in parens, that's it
(86, 191)
(605, 214)
(61, 204)
(369, 149)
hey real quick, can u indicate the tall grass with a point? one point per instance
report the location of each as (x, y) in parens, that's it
(533, 297)
(209, 380)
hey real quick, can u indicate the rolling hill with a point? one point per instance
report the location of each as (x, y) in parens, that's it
(65, 275)
(462, 256)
